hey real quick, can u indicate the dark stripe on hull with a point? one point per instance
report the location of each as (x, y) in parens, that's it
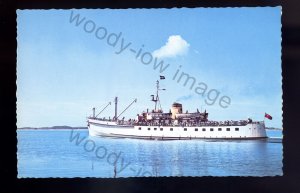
(177, 138)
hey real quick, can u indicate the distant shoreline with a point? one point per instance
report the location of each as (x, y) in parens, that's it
(52, 128)
(272, 128)
(68, 127)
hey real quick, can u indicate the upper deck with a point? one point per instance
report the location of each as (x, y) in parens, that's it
(133, 122)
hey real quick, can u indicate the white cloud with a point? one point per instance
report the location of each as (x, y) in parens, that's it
(175, 46)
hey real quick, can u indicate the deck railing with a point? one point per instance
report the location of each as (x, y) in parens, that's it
(183, 124)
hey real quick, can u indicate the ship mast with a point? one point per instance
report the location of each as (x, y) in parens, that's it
(156, 100)
(116, 108)
(157, 97)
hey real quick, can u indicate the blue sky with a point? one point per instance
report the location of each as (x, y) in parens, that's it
(63, 71)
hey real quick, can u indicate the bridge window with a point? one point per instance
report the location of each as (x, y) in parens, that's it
(148, 128)
(219, 129)
(171, 129)
(227, 129)
(155, 129)
(237, 129)
(161, 129)
(185, 129)
(196, 129)
(203, 129)
(211, 129)
(140, 128)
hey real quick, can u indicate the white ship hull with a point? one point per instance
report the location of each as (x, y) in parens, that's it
(111, 129)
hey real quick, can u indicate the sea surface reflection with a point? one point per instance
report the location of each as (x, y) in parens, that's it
(50, 153)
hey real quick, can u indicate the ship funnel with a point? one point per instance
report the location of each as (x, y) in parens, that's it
(176, 108)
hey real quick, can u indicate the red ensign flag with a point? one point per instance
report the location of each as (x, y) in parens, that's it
(268, 116)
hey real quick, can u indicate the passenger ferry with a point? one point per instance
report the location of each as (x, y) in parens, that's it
(175, 124)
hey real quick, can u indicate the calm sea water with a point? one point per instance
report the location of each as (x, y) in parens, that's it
(73, 153)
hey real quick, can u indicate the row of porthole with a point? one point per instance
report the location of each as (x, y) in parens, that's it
(196, 129)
